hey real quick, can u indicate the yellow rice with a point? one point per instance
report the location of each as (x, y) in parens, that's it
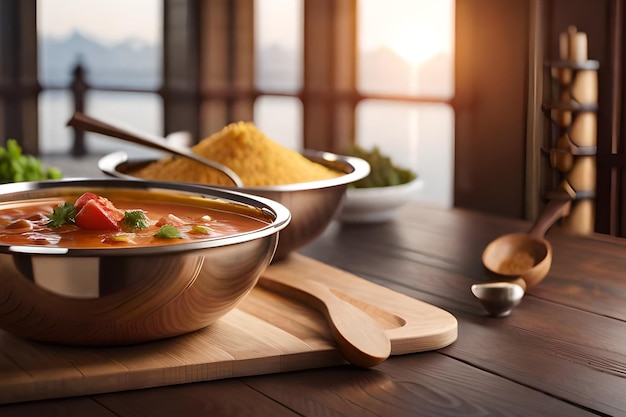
(258, 160)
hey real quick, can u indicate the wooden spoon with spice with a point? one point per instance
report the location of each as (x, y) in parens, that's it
(522, 260)
(526, 255)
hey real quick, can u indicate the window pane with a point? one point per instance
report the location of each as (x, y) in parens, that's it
(405, 46)
(55, 109)
(280, 118)
(141, 111)
(278, 45)
(119, 45)
(415, 136)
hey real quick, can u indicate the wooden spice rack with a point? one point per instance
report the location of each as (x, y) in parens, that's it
(570, 143)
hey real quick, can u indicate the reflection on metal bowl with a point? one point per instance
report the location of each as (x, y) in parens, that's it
(312, 204)
(112, 296)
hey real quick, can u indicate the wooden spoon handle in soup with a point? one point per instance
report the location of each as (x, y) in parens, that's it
(554, 210)
(82, 121)
(360, 339)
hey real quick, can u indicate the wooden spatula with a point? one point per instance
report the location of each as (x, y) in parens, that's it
(360, 339)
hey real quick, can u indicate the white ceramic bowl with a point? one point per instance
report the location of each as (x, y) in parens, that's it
(377, 204)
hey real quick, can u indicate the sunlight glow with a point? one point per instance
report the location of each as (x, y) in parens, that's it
(108, 21)
(415, 29)
(416, 43)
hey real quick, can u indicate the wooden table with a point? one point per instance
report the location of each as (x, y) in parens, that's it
(561, 352)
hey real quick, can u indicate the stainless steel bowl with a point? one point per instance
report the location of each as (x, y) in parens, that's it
(112, 296)
(312, 204)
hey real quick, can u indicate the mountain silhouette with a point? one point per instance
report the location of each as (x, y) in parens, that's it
(128, 64)
(135, 64)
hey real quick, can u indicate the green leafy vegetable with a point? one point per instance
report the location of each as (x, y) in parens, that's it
(383, 172)
(16, 167)
(168, 231)
(135, 220)
(61, 215)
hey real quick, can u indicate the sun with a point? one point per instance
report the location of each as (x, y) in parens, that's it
(415, 47)
(418, 39)
(417, 30)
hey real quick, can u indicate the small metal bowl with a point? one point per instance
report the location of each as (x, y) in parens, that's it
(113, 296)
(312, 204)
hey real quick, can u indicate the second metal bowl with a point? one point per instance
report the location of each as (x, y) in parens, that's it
(312, 204)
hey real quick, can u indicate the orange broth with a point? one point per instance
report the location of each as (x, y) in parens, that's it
(219, 223)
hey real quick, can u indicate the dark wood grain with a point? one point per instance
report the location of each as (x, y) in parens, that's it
(70, 407)
(429, 384)
(224, 398)
(545, 344)
(561, 352)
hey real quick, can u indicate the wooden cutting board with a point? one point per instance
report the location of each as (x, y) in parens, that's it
(266, 333)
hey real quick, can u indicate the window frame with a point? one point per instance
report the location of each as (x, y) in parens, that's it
(225, 48)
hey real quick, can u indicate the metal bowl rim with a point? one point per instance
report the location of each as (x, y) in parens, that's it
(355, 169)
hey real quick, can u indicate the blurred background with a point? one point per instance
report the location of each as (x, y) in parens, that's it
(451, 89)
(404, 51)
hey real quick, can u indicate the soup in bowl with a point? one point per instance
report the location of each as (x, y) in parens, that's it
(109, 262)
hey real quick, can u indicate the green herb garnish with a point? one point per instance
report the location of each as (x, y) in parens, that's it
(135, 220)
(61, 215)
(383, 172)
(168, 231)
(16, 167)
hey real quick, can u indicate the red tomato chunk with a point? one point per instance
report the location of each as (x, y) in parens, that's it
(96, 215)
(83, 199)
